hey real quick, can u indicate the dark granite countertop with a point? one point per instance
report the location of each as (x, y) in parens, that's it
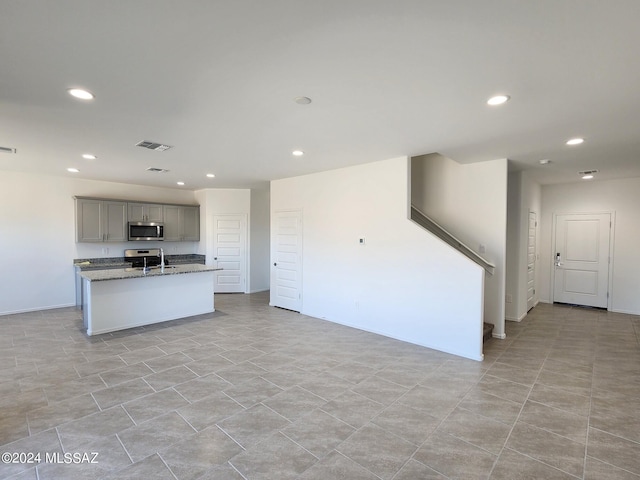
(88, 264)
(124, 273)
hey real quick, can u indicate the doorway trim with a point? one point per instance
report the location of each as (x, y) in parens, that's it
(612, 230)
(244, 250)
(534, 270)
(294, 282)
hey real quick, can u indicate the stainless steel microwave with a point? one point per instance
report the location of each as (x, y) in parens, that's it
(146, 231)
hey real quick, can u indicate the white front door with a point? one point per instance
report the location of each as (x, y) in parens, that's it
(286, 257)
(531, 261)
(230, 253)
(581, 259)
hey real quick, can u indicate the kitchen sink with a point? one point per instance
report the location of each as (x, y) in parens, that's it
(156, 267)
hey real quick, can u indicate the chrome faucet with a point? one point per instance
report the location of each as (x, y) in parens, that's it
(162, 260)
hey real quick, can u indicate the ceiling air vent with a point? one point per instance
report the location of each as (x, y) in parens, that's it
(159, 147)
(587, 172)
(7, 150)
(157, 170)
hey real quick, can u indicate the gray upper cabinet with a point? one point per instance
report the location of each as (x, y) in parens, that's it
(115, 221)
(101, 221)
(181, 223)
(191, 224)
(89, 226)
(171, 223)
(145, 212)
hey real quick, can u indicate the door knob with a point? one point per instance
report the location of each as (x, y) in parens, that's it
(558, 262)
(275, 264)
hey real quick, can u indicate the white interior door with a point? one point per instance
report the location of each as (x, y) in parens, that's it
(286, 271)
(230, 253)
(531, 261)
(581, 259)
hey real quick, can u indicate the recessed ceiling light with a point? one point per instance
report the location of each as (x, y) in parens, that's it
(575, 141)
(73, 170)
(211, 175)
(88, 156)
(302, 100)
(544, 161)
(81, 94)
(587, 177)
(297, 153)
(498, 100)
(180, 183)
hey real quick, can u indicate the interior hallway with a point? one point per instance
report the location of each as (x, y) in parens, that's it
(257, 392)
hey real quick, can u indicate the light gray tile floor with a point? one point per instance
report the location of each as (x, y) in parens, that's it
(254, 392)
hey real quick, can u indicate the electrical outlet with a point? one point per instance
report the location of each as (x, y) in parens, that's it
(509, 298)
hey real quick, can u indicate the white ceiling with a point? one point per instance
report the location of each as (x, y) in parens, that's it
(217, 79)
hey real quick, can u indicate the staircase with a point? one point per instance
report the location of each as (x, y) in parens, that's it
(487, 331)
(425, 222)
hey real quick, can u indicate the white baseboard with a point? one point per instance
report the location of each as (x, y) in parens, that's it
(478, 358)
(38, 309)
(515, 319)
(626, 312)
(260, 290)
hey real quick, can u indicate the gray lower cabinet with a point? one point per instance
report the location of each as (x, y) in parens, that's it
(181, 223)
(101, 221)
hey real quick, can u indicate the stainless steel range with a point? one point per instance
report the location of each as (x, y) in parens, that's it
(148, 257)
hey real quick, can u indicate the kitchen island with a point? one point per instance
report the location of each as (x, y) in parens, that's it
(123, 298)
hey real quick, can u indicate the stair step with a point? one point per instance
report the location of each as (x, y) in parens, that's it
(487, 331)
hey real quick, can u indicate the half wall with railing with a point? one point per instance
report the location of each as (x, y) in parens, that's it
(424, 221)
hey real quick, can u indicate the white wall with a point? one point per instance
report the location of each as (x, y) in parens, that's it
(255, 204)
(222, 201)
(524, 196)
(403, 282)
(37, 240)
(469, 201)
(619, 196)
(514, 260)
(259, 244)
